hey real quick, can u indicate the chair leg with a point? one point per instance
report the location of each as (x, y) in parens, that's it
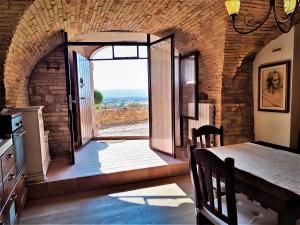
(202, 220)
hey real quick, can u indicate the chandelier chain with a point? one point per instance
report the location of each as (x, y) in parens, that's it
(255, 28)
(280, 22)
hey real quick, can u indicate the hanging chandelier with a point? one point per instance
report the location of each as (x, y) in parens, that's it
(283, 23)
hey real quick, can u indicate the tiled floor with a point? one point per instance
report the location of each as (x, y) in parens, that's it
(165, 201)
(103, 157)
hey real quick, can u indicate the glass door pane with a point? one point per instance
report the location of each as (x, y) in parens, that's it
(162, 112)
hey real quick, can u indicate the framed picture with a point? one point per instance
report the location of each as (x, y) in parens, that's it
(274, 87)
(188, 87)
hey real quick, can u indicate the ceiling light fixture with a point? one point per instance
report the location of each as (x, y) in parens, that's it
(290, 8)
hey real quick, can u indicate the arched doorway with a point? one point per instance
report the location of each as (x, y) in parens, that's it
(159, 54)
(120, 80)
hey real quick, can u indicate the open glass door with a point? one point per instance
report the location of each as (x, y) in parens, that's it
(161, 95)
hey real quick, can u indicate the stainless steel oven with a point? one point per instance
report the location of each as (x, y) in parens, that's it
(12, 126)
(18, 140)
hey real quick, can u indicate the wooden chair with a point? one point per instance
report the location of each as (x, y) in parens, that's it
(222, 209)
(207, 131)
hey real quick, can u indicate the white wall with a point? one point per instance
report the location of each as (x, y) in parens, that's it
(269, 126)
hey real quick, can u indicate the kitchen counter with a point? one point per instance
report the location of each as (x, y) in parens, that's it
(4, 145)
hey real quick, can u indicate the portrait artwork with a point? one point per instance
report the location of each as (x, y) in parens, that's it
(274, 87)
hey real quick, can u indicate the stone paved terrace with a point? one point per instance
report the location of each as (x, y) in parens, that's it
(134, 129)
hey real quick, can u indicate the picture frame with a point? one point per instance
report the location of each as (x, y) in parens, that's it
(188, 85)
(274, 87)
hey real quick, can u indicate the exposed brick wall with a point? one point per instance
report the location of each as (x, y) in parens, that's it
(39, 31)
(237, 104)
(196, 24)
(48, 88)
(10, 14)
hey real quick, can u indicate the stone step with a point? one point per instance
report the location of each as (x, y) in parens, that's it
(50, 188)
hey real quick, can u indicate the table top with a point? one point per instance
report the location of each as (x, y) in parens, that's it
(281, 168)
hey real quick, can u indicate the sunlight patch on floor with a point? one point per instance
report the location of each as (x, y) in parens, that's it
(135, 155)
(169, 195)
(104, 157)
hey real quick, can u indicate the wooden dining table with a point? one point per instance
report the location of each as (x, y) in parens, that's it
(268, 174)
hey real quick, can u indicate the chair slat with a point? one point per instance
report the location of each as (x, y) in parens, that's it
(209, 185)
(214, 139)
(201, 184)
(207, 141)
(219, 193)
(201, 141)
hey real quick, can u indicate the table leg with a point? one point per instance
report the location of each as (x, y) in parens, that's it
(287, 217)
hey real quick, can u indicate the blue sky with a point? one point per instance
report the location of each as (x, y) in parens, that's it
(119, 74)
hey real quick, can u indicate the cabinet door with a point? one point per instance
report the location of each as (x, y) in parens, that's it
(21, 191)
(9, 183)
(8, 161)
(1, 196)
(9, 213)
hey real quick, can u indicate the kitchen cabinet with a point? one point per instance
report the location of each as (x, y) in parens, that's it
(13, 190)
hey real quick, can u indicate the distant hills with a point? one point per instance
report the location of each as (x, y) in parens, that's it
(124, 97)
(125, 93)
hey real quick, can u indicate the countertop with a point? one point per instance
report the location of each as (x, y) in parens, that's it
(5, 145)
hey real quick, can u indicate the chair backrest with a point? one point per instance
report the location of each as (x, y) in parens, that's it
(207, 131)
(204, 165)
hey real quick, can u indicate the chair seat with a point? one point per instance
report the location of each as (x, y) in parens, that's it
(248, 212)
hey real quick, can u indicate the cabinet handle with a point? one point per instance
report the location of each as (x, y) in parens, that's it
(11, 176)
(25, 176)
(10, 156)
(18, 135)
(13, 197)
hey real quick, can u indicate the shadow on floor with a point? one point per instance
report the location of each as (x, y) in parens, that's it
(167, 201)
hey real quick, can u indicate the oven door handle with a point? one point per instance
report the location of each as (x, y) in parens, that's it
(19, 134)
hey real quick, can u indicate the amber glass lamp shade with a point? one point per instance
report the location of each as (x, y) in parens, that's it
(289, 6)
(233, 6)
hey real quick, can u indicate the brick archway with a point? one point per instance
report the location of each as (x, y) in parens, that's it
(38, 32)
(197, 24)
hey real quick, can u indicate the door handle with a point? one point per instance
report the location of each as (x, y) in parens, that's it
(19, 134)
(11, 176)
(10, 156)
(13, 197)
(82, 98)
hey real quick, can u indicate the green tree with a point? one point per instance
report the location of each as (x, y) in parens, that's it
(98, 98)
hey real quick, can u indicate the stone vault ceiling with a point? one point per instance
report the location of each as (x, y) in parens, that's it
(31, 29)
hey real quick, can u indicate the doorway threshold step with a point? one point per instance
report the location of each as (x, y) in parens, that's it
(57, 187)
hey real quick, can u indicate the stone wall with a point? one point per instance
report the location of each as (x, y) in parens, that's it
(121, 115)
(237, 104)
(47, 87)
(32, 28)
